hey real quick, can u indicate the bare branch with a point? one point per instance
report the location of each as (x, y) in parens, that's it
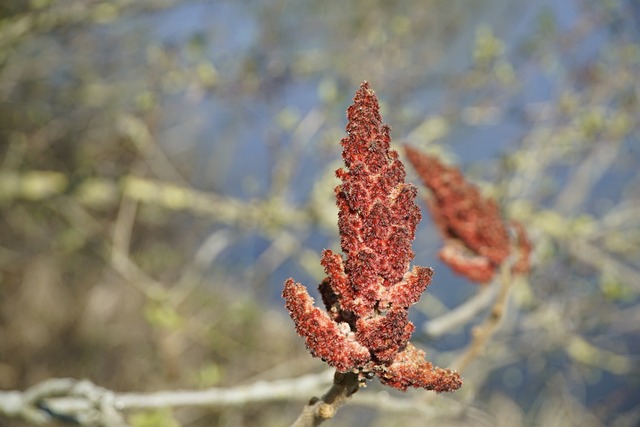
(483, 333)
(462, 314)
(85, 403)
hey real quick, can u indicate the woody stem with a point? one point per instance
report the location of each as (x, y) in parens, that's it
(345, 384)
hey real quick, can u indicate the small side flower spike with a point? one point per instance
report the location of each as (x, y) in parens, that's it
(476, 237)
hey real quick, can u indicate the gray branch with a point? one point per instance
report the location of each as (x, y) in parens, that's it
(82, 402)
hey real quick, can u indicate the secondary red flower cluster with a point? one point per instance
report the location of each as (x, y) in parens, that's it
(476, 238)
(368, 292)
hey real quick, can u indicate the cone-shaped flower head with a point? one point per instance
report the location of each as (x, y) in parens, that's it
(476, 238)
(368, 289)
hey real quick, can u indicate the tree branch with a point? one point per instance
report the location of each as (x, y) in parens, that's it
(84, 403)
(462, 314)
(483, 333)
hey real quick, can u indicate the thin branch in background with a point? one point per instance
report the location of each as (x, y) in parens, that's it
(84, 403)
(462, 314)
(284, 246)
(483, 333)
(601, 260)
(586, 175)
(288, 160)
(123, 226)
(140, 134)
(86, 225)
(37, 404)
(321, 409)
(194, 274)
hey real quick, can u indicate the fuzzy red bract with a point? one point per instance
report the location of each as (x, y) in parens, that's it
(410, 369)
(325, 338)
(369, 289)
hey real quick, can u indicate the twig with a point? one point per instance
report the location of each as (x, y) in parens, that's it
(38, 185)
(84, 403)
(483, 333)
(585, 176)
(461, 315)
(321, 409)
(194, 274)
(601, 260)
(37, 404)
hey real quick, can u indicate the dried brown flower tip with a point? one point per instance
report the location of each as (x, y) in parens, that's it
(476, 238)
(368, 291)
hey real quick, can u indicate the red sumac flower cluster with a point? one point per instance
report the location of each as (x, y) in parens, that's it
(369, 288)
